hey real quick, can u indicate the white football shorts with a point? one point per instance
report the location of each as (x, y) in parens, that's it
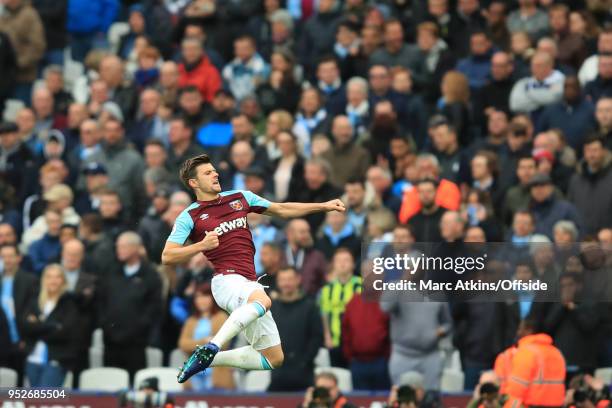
(231, 292)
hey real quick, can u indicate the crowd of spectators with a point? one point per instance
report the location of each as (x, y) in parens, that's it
(437, 120)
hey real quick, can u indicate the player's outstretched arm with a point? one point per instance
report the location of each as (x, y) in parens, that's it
(174, 254)
(292, 210)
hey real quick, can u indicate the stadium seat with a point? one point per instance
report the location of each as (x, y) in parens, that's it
(452, 380)
(72, 71)
(604, 374)
(165, 375)
(104, 379)
(8, 377)
(345, 381)
(455, 361)
(257, 381)
(68, 380)
(155, 357)
(239, 376)
(322, 359)
(97, 338)
(115, 31)
(177, 358)
(96, 357)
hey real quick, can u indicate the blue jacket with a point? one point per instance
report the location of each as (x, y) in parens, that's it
(548, 212)
(574, 120)
(91, 16)
(476, 69)
(44, 251)
(598, 88)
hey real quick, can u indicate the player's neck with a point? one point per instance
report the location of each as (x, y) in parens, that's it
(206, 196)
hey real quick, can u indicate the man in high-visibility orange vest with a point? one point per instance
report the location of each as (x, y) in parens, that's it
(537, 377)
(503, 367)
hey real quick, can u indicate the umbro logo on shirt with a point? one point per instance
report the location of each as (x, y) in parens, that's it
(204, 216)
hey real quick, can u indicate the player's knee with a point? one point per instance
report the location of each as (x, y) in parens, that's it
(266, 302)
(262, 299)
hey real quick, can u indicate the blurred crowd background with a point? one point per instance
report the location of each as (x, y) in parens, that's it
(437, 120)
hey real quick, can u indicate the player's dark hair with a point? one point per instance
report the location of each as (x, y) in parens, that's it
(190, 167)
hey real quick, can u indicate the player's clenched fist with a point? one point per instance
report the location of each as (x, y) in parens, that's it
(334, 205)
(210, 241)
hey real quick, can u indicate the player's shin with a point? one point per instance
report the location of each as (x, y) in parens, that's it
(237, 321)
(244, 357)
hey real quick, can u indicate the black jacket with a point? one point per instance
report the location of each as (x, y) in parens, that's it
(495, 94)
(324, 193)
(126, 96)
(129, 306)
(85, 297)
(25, 289)
(575, 332)
(99, 256)
(8, 67)
(285, 97)
(53, 16)
(351, 242)
(426, 227)
(591, 194)
(301, 332)
(5, 340)
(476, 333)
(20, 172)
(154, 231)
(56, 330)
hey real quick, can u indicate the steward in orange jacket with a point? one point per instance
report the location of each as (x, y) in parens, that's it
(503, 367)
(537, 378)
(448, 196)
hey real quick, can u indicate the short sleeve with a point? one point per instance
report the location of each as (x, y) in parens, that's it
(256, 203)
(182, 228)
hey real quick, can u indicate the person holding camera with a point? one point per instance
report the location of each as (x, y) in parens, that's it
(402, 397)
(487, 396)
(586, 391)
(325, 393)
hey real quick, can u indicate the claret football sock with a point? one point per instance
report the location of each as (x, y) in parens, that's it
(237, 321)
(244, 357)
